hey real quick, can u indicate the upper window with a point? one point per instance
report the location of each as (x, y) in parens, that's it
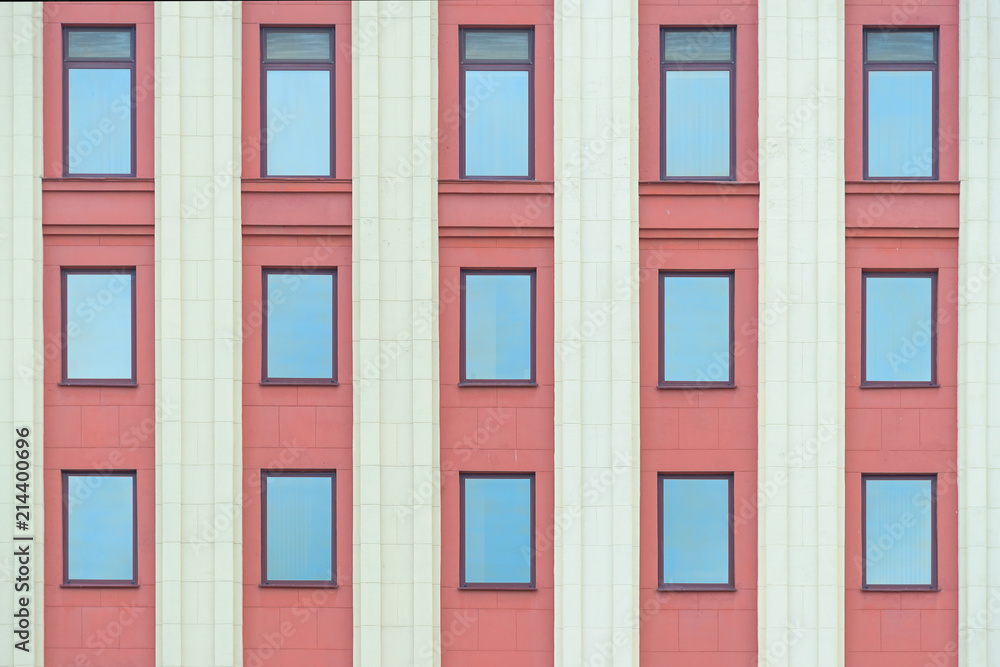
(496, 92)
(498, 530)
(698, 91)
(696, 531)
(98, 99)
(900, 118)
(497, 338)
(696, 329)
(899, 329)
(298, 511)
(899, 532)
(98, 326)
(297, 94)
(99, 528)
(300, 326)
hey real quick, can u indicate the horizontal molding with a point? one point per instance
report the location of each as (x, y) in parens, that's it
(903, 187)
(98, 184)
(699, 188)
(468, 186)
(296, 185)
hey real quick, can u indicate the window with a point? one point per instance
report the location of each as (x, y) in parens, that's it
(298, 511)
(98, 326)
(300, 326)
(497, 338)
(696, 532)
(899, 329)
(98, 99)
(696, 334)
(899, 532)
(296, 86)
(698, 92)
(498, 530)
(496, 93)
(900, 116)
(100, 547)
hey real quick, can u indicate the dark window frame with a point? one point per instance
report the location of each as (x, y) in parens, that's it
(103, 63)
(705, 66)
(497, 66)
(297, 65)
(264, 378)
(865, 586)
(100, 583)
(903, 66)
(660, 584)
(662, 382)
(265, 582)
(902, 273)
(463, 381)
(66, 271)
(495, 586)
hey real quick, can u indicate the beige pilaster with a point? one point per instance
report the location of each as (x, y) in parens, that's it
(596, 333)
(801, 348)
(198, 352)
(395, 241)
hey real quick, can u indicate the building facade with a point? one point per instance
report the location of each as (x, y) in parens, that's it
(491, 332)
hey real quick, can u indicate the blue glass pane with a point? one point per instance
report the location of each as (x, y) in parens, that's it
(695, 531)
(497, 327)
(99, 116)
(697, 124)
(298, 123)
(898, 328)
(900, 124)
(299, 528)
(100, 527)
(696, 328)
(98, 326)
(497, 530)
(898, 532)
(496, 123)
(300, 325)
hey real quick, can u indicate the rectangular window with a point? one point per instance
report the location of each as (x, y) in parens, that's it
(698, 93)
(497, 338)
(696, 329)
(300, 326)
(496, 93)
(298, 528)
(899, 529)
(99, 101)
(98, 326)
(100, 547)
(899, 329)
(296, 86)
(497, 530)
(901, 93)
(696, 532)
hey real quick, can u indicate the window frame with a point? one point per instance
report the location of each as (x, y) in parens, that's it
(703, 66)
(297, 65)
(264, 378)
(496, 66)
(903, 66)
(660, 584)
(265, 582)
(865, 586)
(64, 273)
(901, 273)
(464, 381)
(99, 583)
(103, 63)
(495, 586)
(662, 382)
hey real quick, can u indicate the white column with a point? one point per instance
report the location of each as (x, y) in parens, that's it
(596, 333)
(801, 349)
(395, 240)
(198, 355)
(21, 346)
(979, 336)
